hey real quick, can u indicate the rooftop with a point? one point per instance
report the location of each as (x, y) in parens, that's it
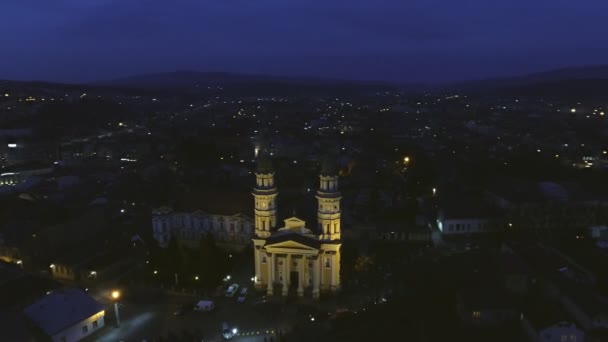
(61, 309)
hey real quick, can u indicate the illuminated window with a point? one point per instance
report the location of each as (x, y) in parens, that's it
(476, 314)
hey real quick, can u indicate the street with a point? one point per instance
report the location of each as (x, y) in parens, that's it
(255, 319)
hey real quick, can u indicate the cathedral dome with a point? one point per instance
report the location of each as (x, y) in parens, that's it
(329, 166)
(264, 165)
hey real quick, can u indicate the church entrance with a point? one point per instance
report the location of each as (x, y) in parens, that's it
(294, 278)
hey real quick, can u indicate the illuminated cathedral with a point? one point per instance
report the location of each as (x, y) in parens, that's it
(295, 258)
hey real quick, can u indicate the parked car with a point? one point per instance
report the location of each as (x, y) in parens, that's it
(228, 332)
(231, 291)
(242, 295)
(204, 306)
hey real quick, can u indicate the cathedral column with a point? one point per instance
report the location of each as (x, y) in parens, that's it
(316, 279)
(258, 268)
(286, 274)
(270, 280)
(301, 276)
(335, 271)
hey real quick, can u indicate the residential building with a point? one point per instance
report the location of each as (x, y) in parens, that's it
(231, 231)
(546, 321)
(487, 306)
(66, 315)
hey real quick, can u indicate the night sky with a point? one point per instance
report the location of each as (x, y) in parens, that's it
(397, 40)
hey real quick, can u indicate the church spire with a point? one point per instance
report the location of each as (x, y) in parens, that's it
(328, 196)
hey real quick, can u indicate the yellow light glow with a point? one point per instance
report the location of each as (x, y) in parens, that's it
(406, 160)
(115, 294)
(573, 110)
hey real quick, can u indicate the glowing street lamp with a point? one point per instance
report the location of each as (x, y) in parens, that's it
(115, 297)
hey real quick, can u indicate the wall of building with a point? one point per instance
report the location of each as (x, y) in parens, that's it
(189, 228)
(464, 226)
(76, 332)
(64, 272)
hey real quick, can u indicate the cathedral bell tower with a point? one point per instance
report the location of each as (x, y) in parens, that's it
(265, 193)
(328, 196)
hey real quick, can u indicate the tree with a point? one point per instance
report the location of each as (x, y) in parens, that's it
(211, 262)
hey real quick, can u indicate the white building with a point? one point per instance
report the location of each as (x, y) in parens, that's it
(230, 231)
(463, 216)
(66, 316)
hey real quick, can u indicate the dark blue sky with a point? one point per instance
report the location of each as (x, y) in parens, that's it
(398, 40)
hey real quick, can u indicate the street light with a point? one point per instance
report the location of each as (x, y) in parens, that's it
(115, 297)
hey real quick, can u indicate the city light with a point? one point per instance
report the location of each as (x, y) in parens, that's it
(115, 294)
(573, 110)
(155, 272)
(52, 266)
(196, 278)
(12, 145)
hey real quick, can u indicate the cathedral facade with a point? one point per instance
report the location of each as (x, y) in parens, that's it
(294, 258)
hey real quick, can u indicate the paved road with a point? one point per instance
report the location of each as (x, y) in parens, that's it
(255, 319)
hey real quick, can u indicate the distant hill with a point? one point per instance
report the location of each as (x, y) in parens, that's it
(589, 81)
(194, 79)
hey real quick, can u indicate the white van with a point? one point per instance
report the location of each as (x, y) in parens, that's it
(204, 306)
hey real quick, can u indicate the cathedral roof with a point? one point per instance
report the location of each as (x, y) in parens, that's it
(289, 236)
